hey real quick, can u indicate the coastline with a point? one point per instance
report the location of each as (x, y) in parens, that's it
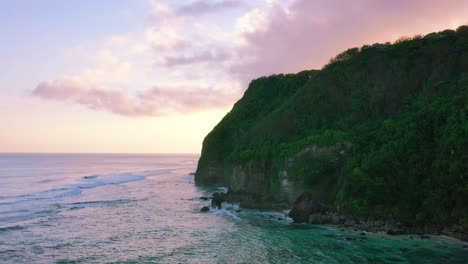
(389, 227)
(375, 225)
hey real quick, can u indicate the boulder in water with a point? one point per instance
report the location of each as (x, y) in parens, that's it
(218, 199)
(205, 209)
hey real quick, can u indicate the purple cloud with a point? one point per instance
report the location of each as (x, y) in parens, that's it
(153, 102)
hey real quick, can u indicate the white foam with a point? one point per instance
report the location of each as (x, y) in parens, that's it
(85, 182)
(11, 207)
(150, 173)
(225, 212)
(108, 179)
(231, 206)
(116, 178)
(235, 211)
(223, 189)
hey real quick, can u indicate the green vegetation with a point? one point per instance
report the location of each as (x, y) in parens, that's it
(398, 111)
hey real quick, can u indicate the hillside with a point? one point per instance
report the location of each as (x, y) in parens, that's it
(380, 132)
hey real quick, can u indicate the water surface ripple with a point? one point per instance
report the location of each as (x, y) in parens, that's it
(146, 209)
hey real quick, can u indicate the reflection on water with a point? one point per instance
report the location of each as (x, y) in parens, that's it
(146, 209)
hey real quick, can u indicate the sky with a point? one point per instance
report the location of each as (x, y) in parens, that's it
(155, 76)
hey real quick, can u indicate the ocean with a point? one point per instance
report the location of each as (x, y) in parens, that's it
(96, 208)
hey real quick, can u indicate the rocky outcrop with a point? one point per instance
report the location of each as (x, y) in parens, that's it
(210, 173)
(218, 199)
(276, 184)
(250, 186)
(308, 209)
(388, 226)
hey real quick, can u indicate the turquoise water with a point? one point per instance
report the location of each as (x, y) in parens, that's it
(146, 209)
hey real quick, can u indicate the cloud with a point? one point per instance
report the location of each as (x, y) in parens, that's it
(153, 57)
(202, 7)
(307, 34)
(164, 38)
(193, 63)
(204, 57)
(152, 102)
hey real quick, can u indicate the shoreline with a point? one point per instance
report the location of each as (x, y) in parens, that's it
(426, 236)
(389, 227)
(361, 224)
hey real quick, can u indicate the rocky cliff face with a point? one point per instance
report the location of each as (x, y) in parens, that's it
(251, 183)
(380, 133)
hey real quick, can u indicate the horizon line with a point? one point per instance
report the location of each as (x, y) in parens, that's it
(102, 153)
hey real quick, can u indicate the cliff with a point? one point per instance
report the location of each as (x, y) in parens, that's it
(378, 133)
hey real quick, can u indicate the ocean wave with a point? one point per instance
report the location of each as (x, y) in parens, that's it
(52, 201)
(86, 204)
(51, 194)
(108, 179)
(225, 211)
(97, 180)
(86, 182)
(236, 212)
(47, 202)
(11, 228)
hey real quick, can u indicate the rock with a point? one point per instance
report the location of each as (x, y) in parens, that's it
(424, 237)
(306, 205)
(204, 198)
(335, 219)
(363, 234)
(395, 231)
(322, 219)
(218, 199)
(378, 223)
(316, 218)
(349, 222)
(205, 209)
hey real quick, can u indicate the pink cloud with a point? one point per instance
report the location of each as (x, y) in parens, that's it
(202, 7)
(204, 57)
(309, 33)
(153, 102)
(279, 39)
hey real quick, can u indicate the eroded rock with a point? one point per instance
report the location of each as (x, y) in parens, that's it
(218, 199)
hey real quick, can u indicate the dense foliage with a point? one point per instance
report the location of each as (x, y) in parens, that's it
(400, 109)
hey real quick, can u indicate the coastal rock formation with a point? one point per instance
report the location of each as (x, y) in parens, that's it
(376, 140)
(218, 199)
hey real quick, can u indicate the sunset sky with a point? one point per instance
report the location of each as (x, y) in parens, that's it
(139, 76)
